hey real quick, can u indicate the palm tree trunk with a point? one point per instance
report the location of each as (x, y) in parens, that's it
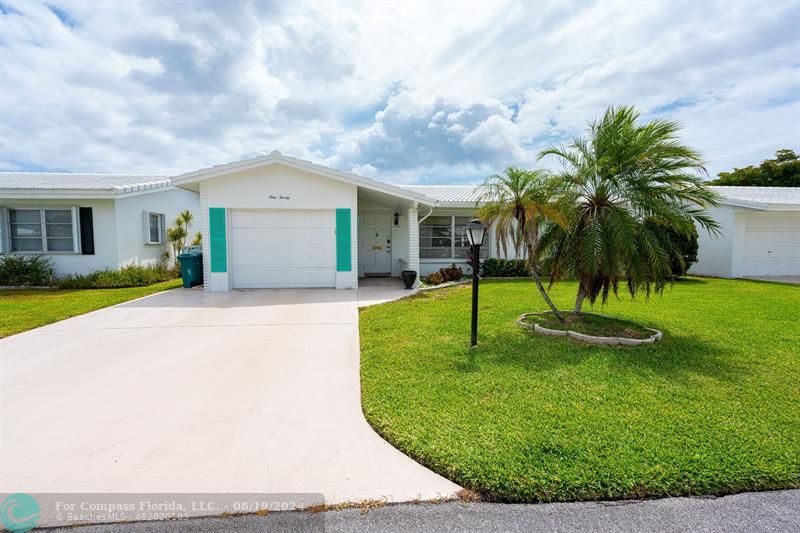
(543, 292)
(579, 299)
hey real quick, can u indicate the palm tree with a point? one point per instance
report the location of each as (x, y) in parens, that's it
(517, 203)
(619, 177)
(184, 219)
(177, 234)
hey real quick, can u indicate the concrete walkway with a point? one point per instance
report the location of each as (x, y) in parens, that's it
(249, 391)
(756, 512)
(373, 291)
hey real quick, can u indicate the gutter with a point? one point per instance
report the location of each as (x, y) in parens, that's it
(429, 213)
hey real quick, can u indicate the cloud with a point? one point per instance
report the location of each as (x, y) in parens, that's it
(409, 139)
(400, 92)
(298, 109)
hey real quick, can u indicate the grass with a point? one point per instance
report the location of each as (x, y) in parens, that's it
(591, 324)
(714, 408)
(24, 309)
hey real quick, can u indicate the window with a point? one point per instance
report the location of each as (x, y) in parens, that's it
(443, 237)
(155, 228)
(42, 230)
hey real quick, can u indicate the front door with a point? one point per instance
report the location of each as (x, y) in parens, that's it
(376, 244)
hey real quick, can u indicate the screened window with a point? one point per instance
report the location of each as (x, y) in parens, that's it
(41, 230)
(443, 237)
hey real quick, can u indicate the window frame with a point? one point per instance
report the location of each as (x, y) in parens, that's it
(8, 234)
(452, 258)
(161, 228)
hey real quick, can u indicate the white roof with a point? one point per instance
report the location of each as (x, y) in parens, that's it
(19, 182)
(189, 179)
(463, 195)
(764, 198)
(37, 183)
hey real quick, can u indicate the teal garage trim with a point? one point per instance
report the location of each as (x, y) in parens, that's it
(343, 251)
(217, 241)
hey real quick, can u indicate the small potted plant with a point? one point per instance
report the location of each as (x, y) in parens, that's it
(409, 277)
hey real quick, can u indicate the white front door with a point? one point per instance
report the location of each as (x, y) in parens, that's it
(281, 248)
(375, 234)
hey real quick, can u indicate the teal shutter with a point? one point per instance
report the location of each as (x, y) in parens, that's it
(343, 254)
(216, 239)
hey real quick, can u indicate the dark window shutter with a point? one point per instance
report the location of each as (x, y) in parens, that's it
(87, 231)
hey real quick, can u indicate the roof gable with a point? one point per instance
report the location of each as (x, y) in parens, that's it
(273, 158)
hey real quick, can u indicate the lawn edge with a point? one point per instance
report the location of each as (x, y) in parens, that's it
(160, 291)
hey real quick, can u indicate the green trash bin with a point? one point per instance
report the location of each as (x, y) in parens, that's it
(191, 260)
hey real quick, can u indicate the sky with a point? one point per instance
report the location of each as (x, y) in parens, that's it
(428, 93)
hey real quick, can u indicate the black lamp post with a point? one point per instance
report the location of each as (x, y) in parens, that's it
(476, 232)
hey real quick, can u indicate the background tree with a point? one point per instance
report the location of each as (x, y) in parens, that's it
(684, 248)
(177, 233)
(783, 171)
(620, 176)
(517, 203)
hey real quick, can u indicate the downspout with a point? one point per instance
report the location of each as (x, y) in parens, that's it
(429, 213)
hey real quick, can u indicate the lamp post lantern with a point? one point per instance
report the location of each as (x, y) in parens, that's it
(476, 233)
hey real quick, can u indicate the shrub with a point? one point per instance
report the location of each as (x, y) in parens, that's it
(451, 273)
(505, 268)
(129, 276)
(434, 278)
(31, 270)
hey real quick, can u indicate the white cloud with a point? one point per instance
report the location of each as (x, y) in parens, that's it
(406, 91)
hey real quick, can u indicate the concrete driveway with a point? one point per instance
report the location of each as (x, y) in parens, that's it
(250, 391)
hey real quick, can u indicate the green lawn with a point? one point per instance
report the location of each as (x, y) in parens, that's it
(714, 408)
(24, 309)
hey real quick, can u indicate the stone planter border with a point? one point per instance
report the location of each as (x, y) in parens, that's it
(445, 285)
(588, 339)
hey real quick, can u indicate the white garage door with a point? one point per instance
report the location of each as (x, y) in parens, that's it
(274, 248)
(772, 245)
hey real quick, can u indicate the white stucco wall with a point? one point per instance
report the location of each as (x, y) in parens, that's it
(262, 188)
(118, 226)
(104, 222)
(131, 245)
(715, 253)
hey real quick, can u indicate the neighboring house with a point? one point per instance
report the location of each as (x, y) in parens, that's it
(276, 221)
(87, 222)
(760, 234)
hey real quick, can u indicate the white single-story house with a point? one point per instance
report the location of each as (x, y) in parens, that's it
(278, 222)
(760, 234)
(269, 222)
(87, 222)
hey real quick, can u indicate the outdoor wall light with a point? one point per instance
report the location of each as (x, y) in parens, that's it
(396, 218)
